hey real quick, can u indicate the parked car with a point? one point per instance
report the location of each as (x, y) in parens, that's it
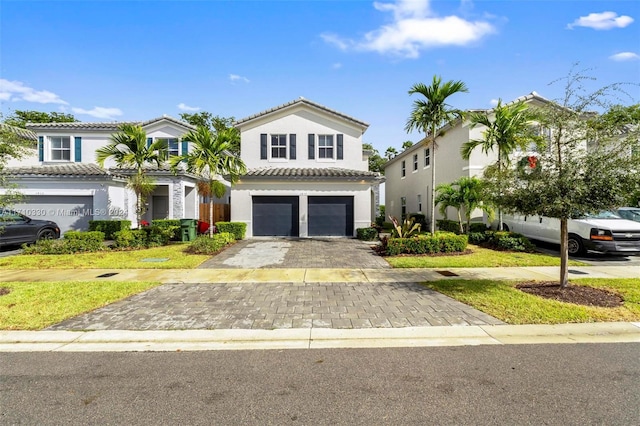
(630, 213)
(16, 228)
(605, 232)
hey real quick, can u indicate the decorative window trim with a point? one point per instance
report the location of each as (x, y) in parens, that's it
(427, 158)
(53, 140)
(282, 147)
(415, 163)
(403, 172)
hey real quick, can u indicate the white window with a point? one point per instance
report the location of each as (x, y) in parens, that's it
(419, 203)
(60, 148)
(403, 207)
(427, 157)
(415, 162)
(325, 146)
(404, 168)
(279, 146)
(173, 148)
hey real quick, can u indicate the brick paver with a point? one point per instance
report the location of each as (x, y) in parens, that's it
(280, 305)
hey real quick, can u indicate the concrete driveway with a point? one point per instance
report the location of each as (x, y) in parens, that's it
(344, 253)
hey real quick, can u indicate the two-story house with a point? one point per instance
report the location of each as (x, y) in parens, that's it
(408, 175)
(62, 182)
(307, 173)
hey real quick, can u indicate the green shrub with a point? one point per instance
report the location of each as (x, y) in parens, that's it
(210, 245)
(109, 226)
(238, 229)
(448, 225)
(441, 242)
(136, 238)
(477, 227)
(420, 219)
(503, 240)
(367, 234)
(405, 229)
(160, 235)
(173, 224)
(478, 237)
(73, 242)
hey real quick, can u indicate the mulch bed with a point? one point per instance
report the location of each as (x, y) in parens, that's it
(579, 295)
(4, 290)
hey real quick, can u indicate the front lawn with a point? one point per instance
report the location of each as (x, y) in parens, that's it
(111, 259)
(34, 306)
(478, 258)
(502, 300)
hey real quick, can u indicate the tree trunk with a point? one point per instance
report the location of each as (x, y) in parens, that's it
(433, 183)
(211, 215)
(564, 253)
(500, 226)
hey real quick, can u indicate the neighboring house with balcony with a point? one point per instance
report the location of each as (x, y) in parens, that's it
(62, 182)
(307, 173)
(408, 175)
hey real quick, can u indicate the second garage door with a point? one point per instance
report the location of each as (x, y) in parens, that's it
(331, 216)
(275, 216)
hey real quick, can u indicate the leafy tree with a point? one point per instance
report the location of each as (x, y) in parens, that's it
(20, 118)
(390, 153)
(13, 145)
(129, 149)
(466, 193)
(429, 115)
(579, 170)
(407, 145)
(507, 127)
(215, 124)
(211, 158)
(448, 196)
(375, 160)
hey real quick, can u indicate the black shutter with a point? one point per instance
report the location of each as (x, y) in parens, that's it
(312, 146)
(263, 146)
(292, 146)
(340, 147)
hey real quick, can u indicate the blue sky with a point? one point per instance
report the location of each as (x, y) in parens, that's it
(136, 60)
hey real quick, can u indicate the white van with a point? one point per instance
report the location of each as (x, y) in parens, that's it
(605, 232)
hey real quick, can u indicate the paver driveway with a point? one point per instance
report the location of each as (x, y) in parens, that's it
(298, 253)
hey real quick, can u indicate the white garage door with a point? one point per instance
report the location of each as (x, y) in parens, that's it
(69, 212)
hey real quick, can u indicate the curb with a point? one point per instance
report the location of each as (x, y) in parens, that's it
(314, 338)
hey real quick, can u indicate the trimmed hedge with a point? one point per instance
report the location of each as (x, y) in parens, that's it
(73, 242)
(238, 229)
(130, 238)
(173, 224)
(210, 245)
(441, 242)
(420, 219)
(502, 240)
(453, 226)
(109, 226)
(367, 234)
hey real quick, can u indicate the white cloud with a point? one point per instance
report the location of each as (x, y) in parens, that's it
(414, 28)
(494, 102)
(625, 56)
(336, 66)
(184, 107)
(235, 77)
(602, 21)
(17, 91)
(99, 112)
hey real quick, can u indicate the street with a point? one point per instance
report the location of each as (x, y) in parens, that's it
(567, 384)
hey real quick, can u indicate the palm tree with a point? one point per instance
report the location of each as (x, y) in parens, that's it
(129, 149)
(211, 158)
(429, 115)
(509, 129)
(448, 196)
(390, 153)
(471, 197)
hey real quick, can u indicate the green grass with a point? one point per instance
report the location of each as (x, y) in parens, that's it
(502, 300)
(37, 305)
(111, 259)
(479, 258)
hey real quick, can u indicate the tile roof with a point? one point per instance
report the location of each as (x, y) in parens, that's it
(311, 173)
(112, 126)
(23, 133)
(67, 169)
(303, 101)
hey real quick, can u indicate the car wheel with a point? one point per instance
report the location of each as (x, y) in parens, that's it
(575, 245)
(46, 234)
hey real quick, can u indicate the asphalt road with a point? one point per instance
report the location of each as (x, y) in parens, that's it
(591, 258)
(515, 385)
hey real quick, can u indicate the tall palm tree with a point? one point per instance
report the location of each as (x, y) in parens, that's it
(509, 129)
(448, 196)
(429, 115)
(211, 158)
(129, 149)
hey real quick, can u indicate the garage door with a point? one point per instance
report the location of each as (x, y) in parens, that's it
(69, 212)
(275, 216)
(331, 216)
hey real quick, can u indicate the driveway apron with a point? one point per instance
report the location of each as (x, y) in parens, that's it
(269, 305)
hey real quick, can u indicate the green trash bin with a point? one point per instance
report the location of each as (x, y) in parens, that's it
(188, 229)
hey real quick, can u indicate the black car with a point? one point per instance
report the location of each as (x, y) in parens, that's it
(16, 229)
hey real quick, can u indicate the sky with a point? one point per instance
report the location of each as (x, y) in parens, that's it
(137, 60)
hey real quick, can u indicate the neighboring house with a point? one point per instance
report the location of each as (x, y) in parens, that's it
(408, 175)
(62, 181)
(307, 173)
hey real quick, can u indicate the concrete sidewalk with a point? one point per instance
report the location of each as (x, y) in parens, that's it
(316, 275)
(315, 338)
